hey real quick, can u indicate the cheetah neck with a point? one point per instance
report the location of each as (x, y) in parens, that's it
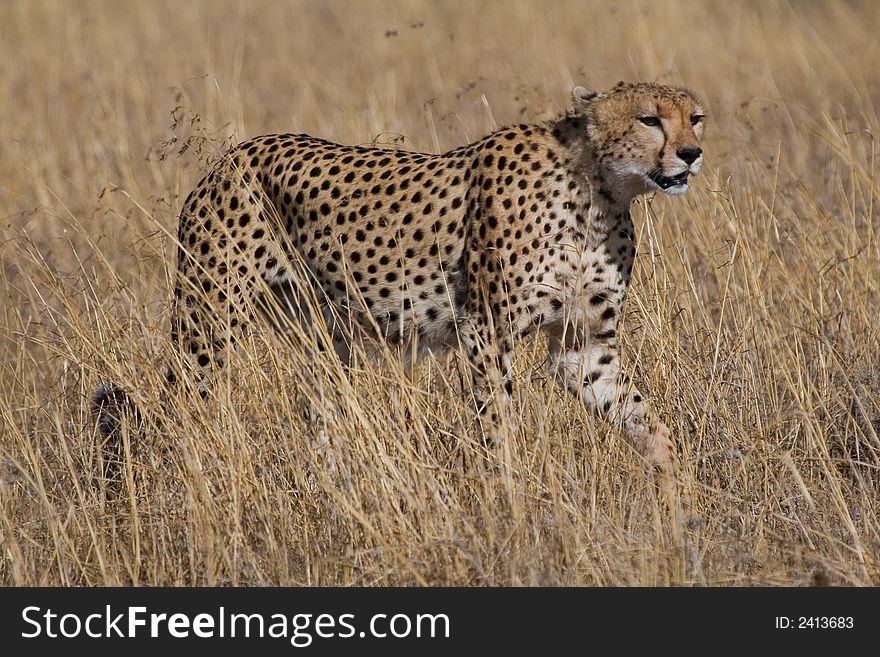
(607, 198)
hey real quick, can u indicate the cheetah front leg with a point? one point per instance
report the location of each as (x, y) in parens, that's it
(490, 362)
(589, 366)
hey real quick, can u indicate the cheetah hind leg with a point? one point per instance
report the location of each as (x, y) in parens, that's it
(291, 308)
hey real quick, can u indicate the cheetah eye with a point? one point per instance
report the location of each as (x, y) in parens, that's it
(697, 118)
(652, 121)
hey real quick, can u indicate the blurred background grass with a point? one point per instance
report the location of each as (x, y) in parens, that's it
(752, 320)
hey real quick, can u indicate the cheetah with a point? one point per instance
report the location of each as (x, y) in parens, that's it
(526, 230)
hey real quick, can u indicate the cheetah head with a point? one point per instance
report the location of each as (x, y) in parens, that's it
(645, 136)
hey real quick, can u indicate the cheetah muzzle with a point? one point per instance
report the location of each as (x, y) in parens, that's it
(526, 230)
(666, 182)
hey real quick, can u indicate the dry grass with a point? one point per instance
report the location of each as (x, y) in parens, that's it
(752, 320)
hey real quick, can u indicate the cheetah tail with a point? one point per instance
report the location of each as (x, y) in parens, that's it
(111, 407)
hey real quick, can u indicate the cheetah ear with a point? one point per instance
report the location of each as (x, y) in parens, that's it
(582, 96)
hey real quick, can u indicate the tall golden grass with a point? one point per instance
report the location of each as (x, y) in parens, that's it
(752, 321)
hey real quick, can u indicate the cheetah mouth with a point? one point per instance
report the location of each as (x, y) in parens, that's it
(669, 182)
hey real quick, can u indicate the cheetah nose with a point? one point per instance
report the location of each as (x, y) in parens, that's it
(689, 154)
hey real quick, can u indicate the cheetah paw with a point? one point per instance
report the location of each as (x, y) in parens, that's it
(658, 448)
